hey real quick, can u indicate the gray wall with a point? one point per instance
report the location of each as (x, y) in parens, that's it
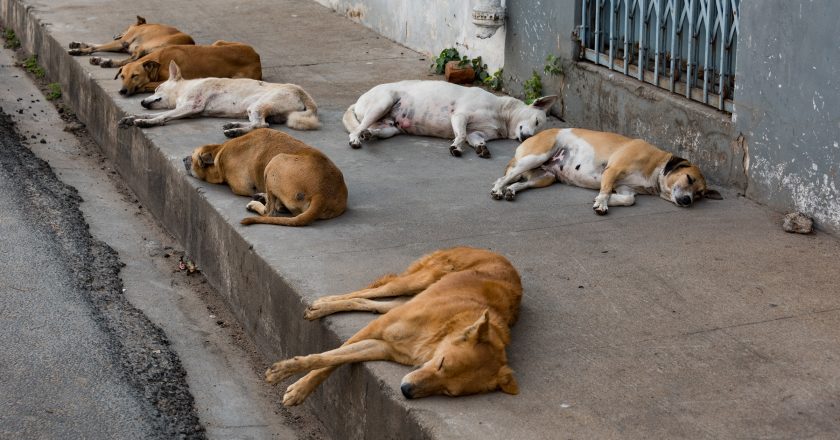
(780, 146)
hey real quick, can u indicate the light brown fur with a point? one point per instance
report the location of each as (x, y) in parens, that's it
(222, 59)
(618, 166)
(138, 40)
(292, 175)
(455, 327)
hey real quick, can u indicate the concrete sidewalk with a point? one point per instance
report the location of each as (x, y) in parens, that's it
(652, 322)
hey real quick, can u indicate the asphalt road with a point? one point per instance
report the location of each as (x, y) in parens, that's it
(78, 360)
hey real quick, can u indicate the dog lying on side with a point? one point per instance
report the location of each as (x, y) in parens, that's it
(222, 59)
(259, 101)
(620, 167)
(283, 171)
(456, 327)
(470, 115)
(138, 40)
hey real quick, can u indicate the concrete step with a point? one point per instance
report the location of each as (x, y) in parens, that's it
(629, 322)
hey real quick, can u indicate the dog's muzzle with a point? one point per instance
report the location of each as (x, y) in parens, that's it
(148, 104)
(188, 163)
(684, 201)
(407, 390)
(123, 91)
(522, 137)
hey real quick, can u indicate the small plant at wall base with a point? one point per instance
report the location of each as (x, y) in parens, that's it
(552, 66)
(12, 41)
(533, 88)
(494, 81)
(31, 66)
(446, 55)
(54, 91)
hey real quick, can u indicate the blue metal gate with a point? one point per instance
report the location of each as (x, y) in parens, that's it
(685, 46)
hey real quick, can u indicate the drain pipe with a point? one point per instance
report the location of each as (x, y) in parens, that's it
(488, 16)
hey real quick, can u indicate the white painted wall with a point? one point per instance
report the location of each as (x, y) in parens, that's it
(427, 26)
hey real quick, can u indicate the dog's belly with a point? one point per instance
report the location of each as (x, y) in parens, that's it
(575, 166)
(423, 119)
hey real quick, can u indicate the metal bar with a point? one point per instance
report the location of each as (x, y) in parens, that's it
(692, 46)
(708, 20)
(598, 30)
(723, 17)
(627, 54)
(642, 63)
(612, 33)
(583, 24)
(672, 5)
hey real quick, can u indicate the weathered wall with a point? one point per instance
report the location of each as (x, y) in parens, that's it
(428, 26)
(788, 105)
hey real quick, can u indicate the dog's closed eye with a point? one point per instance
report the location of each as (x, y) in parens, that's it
(690, 180)
(440, 367)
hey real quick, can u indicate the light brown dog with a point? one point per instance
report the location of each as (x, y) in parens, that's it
(222, 59)
(619, 166)
(278, 168)
(456, 327)
(138, 40)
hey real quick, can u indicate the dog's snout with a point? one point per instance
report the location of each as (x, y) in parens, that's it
(684, 201)
(188, 163)
(144, 103)
(407, 390)
(123, 91)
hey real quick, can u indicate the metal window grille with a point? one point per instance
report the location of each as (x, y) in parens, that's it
(685, 46)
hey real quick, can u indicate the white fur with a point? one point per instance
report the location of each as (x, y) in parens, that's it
(468, 115)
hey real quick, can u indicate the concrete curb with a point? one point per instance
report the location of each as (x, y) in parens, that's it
(266, 306)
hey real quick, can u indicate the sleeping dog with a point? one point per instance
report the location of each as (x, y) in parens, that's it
(620, 167)
(138, 40)
(470, 115)
(259, 101)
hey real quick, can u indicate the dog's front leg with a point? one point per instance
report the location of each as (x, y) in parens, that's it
(608, 179)
(513, 174)
(297, 392)
(87, 49)
(171, 115)
(459, 127)
(477, 140)
(624, 196)
(536, 178)
(361, 351)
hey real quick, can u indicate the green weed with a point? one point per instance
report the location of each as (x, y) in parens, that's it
(533, 88)
(12, 41)
(54, 91)
(31, 66)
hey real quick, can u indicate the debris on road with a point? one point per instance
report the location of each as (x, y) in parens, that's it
(798, 222)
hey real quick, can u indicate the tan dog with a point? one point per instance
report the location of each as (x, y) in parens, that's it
(605, 161)
(222, 59)
(138, 40)
(455, 328)
(284, 171)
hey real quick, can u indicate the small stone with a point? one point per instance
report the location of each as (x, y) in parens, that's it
(798, 222)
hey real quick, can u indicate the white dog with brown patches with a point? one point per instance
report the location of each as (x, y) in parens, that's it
(619, 166)
(261, 102)
(469, 115)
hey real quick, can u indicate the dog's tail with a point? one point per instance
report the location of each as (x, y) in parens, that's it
(306, 119)
(349, 119)
(316, 205)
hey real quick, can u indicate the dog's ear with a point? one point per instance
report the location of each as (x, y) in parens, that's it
(712, 194)
(152, 68)
(544, 103)
(506, 381)
(206, 159)
(480, 330)
(674, 163)
(118, 73)
(174, 71)
(140, 20)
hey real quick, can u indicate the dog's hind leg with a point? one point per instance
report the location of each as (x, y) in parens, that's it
(403, 285)
(321, 309)
(297, 392)
(515, 172)
(536, 178)
(372, 115)
(624, 196)
(257, 114)
(459, 126)
(163, 118)
(361, 351)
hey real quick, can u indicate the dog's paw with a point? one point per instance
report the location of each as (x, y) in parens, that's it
(126, 122)
(510, 195)
(95, 60)
(230, 125)
(366, 135)
(106, 62)
(297, 392)
(496, 194)
(317, 310)
(355, 144)
(75, 45)
(234, 132)
(455, 151)
(281, 370)
(255, 206)
(260, 197)
(144, 123)
(600, 205)
(482, 151)
(75, 52)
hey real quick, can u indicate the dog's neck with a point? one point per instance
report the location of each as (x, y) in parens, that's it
(510, 111)
(659, 172)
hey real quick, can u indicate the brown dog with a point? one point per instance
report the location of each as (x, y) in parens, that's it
(138, 40)
(456, 327)
(270, 164)
(284, 171)
(222, 59)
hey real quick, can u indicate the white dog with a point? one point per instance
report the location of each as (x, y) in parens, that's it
(259, 101)
(436, 108)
